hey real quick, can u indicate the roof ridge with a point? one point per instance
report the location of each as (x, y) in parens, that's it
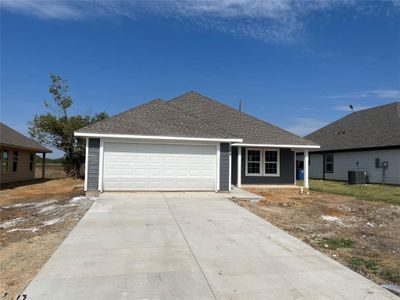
(193, 116)
(349, 115)
(248, 115)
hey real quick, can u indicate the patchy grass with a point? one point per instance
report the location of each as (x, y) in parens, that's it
(359, 264)
(369, 192)
(391, 273)
(333, 244)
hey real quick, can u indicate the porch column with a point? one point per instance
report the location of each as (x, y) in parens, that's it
(44, 165)
(239, 167)
(306, 186)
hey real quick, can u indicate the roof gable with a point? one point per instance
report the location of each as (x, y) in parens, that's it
(12, 138)
(370, 128)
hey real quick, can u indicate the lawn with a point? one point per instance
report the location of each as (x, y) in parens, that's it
(369, 192)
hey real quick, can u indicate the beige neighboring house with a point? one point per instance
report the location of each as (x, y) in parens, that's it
(17, 156)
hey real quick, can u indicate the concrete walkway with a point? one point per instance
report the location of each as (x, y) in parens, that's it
(189, 246)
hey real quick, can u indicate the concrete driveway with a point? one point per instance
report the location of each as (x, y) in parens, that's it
(189, 246)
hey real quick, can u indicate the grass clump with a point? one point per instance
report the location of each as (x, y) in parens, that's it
(362, 264)
(391, 274)
(334, 243)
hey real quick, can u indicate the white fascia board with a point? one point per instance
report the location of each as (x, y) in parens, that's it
(278, 146)
(154, 137)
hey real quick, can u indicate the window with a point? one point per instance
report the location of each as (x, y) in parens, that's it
(31, 161)
(15, 161)
(328, 162)
(262, 162)
(253, 162)
(4, 165)
(271, 162)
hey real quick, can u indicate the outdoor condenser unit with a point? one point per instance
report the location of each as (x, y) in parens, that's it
(357, 177)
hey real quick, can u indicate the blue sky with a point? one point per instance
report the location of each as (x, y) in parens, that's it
(295, 64)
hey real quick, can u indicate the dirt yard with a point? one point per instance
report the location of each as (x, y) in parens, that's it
(362, 235)
(34, 220)
(53, 171)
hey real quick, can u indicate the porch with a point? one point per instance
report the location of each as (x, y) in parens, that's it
(267, 166)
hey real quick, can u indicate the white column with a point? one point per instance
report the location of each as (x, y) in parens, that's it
(239, 167)
(306, 186)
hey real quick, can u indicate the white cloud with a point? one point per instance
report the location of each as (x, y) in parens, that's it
(277, 21)
(304, 126)
(380, 94)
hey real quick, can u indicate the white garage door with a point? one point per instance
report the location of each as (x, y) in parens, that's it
(129, 166)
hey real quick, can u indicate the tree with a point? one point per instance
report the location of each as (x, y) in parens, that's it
(56, 128)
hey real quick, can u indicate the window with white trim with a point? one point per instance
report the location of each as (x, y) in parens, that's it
(271, 162)
(253, 166)
(262, 162)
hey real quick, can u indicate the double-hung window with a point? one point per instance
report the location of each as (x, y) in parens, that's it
(262, 162)
(328, 162)
(4, 161)
(253, 166)
(271, 161)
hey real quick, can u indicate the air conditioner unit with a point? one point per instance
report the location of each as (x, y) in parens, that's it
(357, 177)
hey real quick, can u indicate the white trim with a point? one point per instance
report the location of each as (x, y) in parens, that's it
(230, 167)
(263, 162)
(86, 163)
(101, 164)
(154, 137)
(278, 146)
(278, 163)
(239, 168)
(217, 186)
(306, 158)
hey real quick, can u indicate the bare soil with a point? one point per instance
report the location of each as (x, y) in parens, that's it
(34, 220)
(362, 235)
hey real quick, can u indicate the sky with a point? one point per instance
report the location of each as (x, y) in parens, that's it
(295, 64)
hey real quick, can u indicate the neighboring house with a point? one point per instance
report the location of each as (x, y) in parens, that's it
(188, 143)
(365, 140)
(17, 155)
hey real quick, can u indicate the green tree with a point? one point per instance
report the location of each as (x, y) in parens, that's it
(56, 128)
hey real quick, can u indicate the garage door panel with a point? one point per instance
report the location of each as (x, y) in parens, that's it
(159, 167)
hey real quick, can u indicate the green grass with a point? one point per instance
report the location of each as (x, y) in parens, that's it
(333, 243)
(359, 263)
(369, 192)
(391, 273)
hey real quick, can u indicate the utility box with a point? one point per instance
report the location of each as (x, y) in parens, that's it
(357, 177)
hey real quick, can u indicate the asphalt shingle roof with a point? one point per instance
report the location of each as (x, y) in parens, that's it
(247, 127)
(157, 118)
(12, 138)
(194, 115)
(368, 128)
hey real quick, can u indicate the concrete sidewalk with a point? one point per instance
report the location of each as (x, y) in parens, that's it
(189, 246)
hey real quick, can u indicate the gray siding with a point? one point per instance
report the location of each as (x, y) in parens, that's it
(346, 161)
(286, 169)
(93, 165)
(224, 167)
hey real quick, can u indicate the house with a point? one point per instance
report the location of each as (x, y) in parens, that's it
(190, 143)
(366, 140)
(17, 156)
